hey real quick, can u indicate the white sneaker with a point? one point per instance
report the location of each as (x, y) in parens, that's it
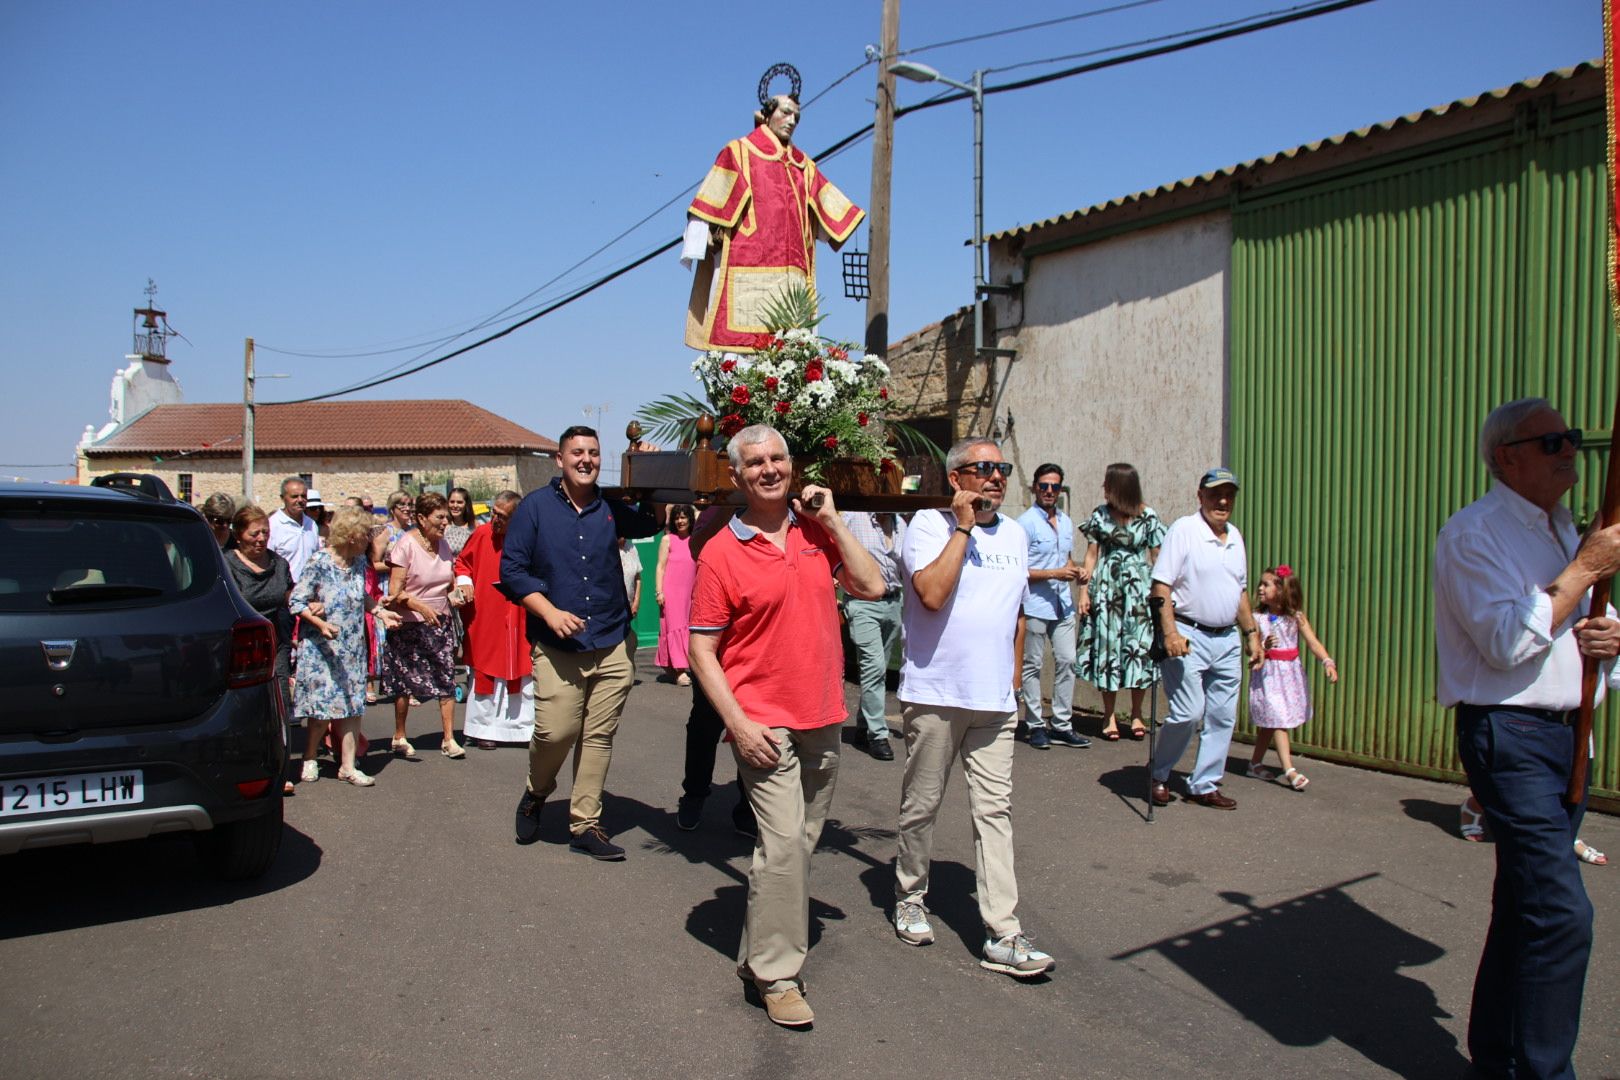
(911, 924)
(1014, 955)
(311, 773)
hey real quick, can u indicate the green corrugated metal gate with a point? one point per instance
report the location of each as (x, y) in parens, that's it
(1376, 316)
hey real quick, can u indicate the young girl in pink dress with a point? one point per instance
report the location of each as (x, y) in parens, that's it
(673, 587)
(1278, 697)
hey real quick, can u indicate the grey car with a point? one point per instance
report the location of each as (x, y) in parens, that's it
(136, 688)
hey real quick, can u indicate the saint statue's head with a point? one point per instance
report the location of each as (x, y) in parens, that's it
(781, 115)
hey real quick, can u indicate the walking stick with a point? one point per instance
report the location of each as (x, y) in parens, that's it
(1611, 483)
(1156, 654)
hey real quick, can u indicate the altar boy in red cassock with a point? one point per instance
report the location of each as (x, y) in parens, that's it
(768, 203)
(501, 705)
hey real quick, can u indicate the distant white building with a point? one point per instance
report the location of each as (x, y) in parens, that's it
(147, 382)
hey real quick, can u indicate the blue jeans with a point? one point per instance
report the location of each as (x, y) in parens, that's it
(1527, 993)
(874, 627)
(1061, 633)
(1201, 685)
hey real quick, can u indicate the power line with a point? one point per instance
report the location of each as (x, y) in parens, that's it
(1218, 32)
(1032, 26)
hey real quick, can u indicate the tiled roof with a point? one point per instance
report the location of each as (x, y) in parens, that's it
(324, 427)
(1551, 79)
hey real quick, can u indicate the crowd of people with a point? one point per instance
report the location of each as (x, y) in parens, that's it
(538, 602)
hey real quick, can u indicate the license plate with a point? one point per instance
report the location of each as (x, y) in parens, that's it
(79, 791)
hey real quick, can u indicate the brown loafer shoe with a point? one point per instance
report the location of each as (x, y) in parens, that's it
(1161, 795)
(1214, 800)
(788, 1008)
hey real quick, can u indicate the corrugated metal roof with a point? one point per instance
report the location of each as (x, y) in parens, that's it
(1549, 79)
(322, 427)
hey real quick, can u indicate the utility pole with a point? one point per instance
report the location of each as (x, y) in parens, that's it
(877, 220)
(247, 420)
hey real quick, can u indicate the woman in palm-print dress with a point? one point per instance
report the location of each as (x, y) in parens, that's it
(1116, 628)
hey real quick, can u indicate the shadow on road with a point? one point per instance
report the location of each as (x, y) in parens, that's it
(950, 898)
(1442, 815)
(97, 884)
(1321, 966)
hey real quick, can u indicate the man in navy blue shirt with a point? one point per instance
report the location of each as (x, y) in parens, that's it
(561, 563)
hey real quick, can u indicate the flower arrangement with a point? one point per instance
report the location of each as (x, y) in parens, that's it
(826, 401)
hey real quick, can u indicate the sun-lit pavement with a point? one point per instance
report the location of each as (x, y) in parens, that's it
(404, 934)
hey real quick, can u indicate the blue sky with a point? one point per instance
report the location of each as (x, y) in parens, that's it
(352, 176)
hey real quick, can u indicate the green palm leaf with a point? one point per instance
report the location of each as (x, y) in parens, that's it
(673, 419)
(794, 308)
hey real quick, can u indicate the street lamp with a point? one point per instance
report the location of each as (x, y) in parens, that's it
(922, 73)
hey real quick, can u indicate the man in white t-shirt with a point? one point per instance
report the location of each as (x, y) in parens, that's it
(1202, 569)
(293, 534)
(967, 575)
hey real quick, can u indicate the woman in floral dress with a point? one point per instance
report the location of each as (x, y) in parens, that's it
(1116, 629)
(330, 687)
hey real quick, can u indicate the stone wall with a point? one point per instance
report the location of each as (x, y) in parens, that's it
(932, 373)
(334, 476)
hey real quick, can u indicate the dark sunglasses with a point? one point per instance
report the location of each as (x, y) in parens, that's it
(217, 522)
(985, 468)
(1553, 441)
(1041, 486)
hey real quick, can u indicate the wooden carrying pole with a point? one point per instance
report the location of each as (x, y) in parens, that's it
(1611, 484)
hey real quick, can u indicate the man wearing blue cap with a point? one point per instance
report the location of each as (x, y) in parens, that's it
(1202, 570)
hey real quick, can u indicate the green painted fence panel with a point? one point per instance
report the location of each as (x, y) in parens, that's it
(1375, 319)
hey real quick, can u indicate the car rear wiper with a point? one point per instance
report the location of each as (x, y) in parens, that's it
(88, 594)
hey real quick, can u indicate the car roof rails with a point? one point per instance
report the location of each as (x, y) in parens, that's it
(138, 483)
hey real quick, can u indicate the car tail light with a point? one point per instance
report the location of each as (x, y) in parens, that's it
(253, 653)
(253, 789)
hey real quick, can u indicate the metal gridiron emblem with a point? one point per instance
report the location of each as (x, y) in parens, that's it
(779, 69)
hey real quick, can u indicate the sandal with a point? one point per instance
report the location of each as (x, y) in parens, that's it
(404, 749)
(1471, 823)
(452, 750)
(1110, 730)
(1138, 729)
(1296, 779)
(311, 772)
(357, 778)
(1260, 772)
(1589, 854)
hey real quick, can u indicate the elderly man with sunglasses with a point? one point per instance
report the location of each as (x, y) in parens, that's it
(1511, 581)
(967, 573)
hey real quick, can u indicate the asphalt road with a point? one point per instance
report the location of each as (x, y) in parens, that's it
(404, 934)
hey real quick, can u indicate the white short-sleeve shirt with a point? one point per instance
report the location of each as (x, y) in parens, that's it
(962, 654)
(1207, 578)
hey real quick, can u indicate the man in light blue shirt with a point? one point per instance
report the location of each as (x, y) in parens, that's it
(1049, 613)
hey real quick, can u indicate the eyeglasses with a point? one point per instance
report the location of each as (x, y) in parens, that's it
(1048, 487)
(217, 522)
(983, 469)
(1553, 441)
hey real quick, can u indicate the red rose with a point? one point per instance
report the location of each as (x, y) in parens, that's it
(740, 395)
(764, 341)
(883, 393)
(812, 373)
(782, 408)
(837, 354)
(830, 442)
(728, 366)
(771, 383)
(861, 418)
(730, 424)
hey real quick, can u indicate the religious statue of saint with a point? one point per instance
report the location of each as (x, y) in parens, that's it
(753, 227)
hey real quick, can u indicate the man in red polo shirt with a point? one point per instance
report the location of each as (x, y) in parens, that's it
(766, 649)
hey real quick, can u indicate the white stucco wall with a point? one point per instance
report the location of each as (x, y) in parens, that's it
(1122, 357)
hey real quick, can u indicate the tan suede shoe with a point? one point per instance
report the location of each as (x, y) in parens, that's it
(788, 1008)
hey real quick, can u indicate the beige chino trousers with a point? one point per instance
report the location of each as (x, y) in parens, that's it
(577, 700)
(790, 801)
(935, 736)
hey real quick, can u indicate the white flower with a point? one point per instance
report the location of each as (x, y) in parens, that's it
(842, 371)
(799, 333)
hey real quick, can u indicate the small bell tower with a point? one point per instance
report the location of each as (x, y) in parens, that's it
(152, 331)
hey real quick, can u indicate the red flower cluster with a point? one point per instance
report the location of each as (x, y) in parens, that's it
(861, 419)
(766, 341)
(883, 393)
(741, 395)
(813, 371)
(837, 353)
(772, 382)
(730, 424)
(728, 366)
(782, 408)
(830, 442)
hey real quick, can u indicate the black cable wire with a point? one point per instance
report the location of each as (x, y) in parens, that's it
(1032, 26)
(1291, 15)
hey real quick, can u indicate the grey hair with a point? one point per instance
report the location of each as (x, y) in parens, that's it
(503, 497)
(299, 480)
(751, 435)
(219, 505)
(960, 449)
(1503, 423)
